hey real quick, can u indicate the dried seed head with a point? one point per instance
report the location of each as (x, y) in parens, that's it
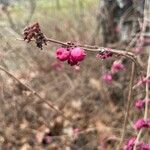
(33, 32)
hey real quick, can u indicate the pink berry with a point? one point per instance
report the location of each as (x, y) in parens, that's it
(62, 54)
(78, 54)
(72, 62)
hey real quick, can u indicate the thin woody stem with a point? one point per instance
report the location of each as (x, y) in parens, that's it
(90, 48)
(35, 93)
(128, 106)
(146, 15)
(93, 48)
(146, 103)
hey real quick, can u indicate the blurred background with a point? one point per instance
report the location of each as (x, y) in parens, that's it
(95, 106)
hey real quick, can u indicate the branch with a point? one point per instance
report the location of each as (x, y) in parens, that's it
(128, 105)
(146, 103)
(90, 48)
(146, 15)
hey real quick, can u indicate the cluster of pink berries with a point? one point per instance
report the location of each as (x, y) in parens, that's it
(138, 125)
(140, 146)
(141, 123)
(72, 55)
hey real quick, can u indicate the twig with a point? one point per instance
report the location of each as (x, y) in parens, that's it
(94, 48)
(128, 106)
(146, 15)
(90, 48)
(146, 102)
(35, 93)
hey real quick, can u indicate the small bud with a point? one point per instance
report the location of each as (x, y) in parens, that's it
(104, 53)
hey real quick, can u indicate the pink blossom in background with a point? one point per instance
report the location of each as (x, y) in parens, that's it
(62, 54)
(141, 123)
(129, 144)
(145, 147)
(76, 131)
(56, 66)
(138, 50)
(143, 81)
(107, 77)
(141, 103)
(140, 146)
(117, 66)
